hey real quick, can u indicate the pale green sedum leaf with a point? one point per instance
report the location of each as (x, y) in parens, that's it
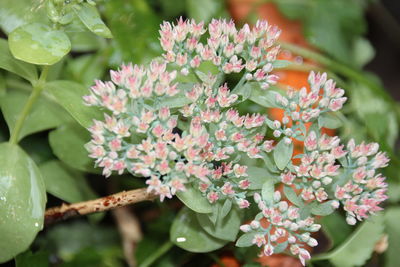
(22, 201)
(225, 227)
(37, 43)
(186, 233)
(392, 254)
(329, 120)
(283, 154)
(193, 199)
(267, 191)
(358, 248)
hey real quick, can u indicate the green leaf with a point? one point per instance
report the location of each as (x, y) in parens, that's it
(194, 200)
(22, 201)
(363, 52)
(292, 196)
(257, 177)
(392, 256)
(9, 63)
(65, 183)
(89, 15)
(265, 98)
(44, 114)
(226, 208)
(323, 209)
(186, 233)
(267, 191)
(37, 43)
(225, 228)
(246, 240)
(17, 13)
(336, 228)
(357, 249)
(67, 143)
(283, 154)
(203, 10)
(69, 95)
(329, 120)
(27, 259)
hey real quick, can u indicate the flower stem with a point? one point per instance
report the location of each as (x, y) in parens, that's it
(157, 254)
(37, 89)
(120, 199)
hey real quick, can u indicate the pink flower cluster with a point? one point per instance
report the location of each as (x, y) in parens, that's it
(285, 227)
(231, 50)
(307, 105)
(364, 189)
(317, 169)
(197, 155)
(190, 135)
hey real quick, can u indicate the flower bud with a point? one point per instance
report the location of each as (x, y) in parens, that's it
(276, 124)
(277, 133)
(245, 228)
(312, 242)
(255, 224)
(351, 220)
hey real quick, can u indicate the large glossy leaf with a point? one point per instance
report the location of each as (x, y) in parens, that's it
(187, 233)
(193, 199)
(392, 254)
(357, 249)
(226, 227)
(69, 95)
(37, 43)
(22, 201)
(43, 115)
(65, 183)
(9, 63)
(67, 143)
(17, 13)
(89, 15)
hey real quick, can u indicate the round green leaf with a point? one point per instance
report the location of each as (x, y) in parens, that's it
(37, 43)
(193, 199)
(186, 233)
(22, 201)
